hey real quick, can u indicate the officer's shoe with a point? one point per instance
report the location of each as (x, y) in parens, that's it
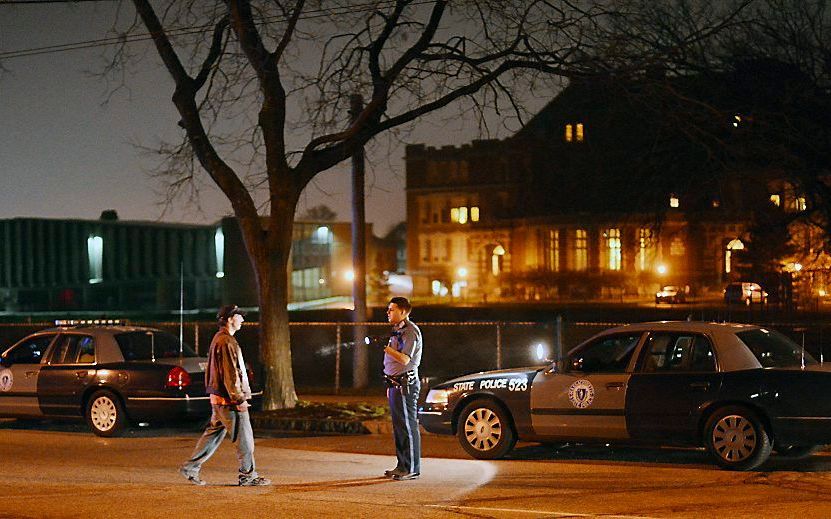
(192, 479)
(254, 482)
(405, 477)
(392, 472)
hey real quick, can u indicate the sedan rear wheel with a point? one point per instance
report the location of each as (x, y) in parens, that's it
(737, 439)
(484, 430)
(105, 414)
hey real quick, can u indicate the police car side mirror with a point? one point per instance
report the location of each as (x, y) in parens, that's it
(5, 361)
(554, 367)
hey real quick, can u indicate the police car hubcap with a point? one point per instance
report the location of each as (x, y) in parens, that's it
(103, 413)
(483, 429)
(734, 438)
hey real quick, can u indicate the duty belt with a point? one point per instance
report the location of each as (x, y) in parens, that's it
(400, 379)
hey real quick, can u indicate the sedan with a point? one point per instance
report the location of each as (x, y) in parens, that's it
(670, 294)
(742, 391)
(110, 375)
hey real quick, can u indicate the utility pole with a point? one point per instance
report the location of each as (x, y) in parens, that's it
(360, 353)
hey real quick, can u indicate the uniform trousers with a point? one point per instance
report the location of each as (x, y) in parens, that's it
(404, 410)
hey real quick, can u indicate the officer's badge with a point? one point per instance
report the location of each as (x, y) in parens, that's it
(6, 380)
(581, 394)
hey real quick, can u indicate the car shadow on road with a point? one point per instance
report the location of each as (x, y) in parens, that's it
(692, 457)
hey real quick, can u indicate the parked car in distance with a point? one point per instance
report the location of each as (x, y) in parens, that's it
(671, 294)
(738, 390)
(745, 292)
(111, 375)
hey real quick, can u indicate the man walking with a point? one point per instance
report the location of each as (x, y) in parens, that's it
(402, 356)
(226, 381)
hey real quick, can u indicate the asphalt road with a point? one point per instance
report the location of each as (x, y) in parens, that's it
(59, 470)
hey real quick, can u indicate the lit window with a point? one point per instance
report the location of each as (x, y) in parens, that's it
(454, 214)
(579, 132)
(775, 200)
(613, 243)
(728, 254)
(219, 249)
(474, 214)
(497, 259)
(95, 251)
(716, 203)
(673, 200)
(646, 248)
(321, 235)
(569, 133)
(801, 205)
(737, 119)
(551, 251)
(581, 251)
(463, 215)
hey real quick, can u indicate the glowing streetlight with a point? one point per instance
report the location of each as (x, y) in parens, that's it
(349, 275)
(662, 269)
(462, 272)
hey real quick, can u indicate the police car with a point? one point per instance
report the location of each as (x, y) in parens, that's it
(109, 374)
(739, 390)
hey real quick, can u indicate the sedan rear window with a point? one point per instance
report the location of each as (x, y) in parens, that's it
(149, 345)
(774, 350)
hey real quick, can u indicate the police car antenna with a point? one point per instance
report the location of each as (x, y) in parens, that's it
(181, 307)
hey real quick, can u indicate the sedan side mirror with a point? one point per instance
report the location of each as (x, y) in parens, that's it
(5, 361)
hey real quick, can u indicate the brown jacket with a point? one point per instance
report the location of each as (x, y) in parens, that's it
(226, 376)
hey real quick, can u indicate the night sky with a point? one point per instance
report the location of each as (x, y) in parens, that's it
(68, 148)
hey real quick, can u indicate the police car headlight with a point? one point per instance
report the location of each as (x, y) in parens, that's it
(436, 396)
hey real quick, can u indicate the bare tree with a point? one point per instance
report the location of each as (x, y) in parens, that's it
(252, 78)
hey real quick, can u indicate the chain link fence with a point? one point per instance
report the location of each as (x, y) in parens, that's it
(323, 352)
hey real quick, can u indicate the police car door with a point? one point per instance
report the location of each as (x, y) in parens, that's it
(19, 376)
(585, 397)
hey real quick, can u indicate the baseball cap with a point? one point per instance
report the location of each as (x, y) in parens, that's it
(228, 311)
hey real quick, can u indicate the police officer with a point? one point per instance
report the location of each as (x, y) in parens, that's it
(402, 356)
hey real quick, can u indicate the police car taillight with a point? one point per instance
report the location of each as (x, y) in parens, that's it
(178, 378)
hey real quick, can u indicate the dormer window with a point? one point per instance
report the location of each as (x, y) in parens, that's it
(574, 132)
(775, 200)
(673, 201)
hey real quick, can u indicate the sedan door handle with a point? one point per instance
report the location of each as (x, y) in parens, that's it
(82, 374)
(617, 386)
(30, 374)
(700, 386)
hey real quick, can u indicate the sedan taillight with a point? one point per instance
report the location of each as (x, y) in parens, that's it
(178, 378)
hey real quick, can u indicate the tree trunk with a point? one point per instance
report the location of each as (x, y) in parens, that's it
(270, 256)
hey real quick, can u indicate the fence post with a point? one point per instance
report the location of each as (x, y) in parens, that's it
(558, 338)
(337, 359)
(196, 337)
(498, 345)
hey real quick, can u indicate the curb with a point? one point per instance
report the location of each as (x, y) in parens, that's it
(271, 423)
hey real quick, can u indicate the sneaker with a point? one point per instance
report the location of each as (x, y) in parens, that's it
(192, 479)
(405, 477)
(390, 473)
(254, 482)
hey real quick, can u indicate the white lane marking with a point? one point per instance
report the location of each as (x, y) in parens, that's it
(537, 512)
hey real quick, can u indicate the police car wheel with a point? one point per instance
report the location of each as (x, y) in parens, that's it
(797, 452)
(737, 439)
(105, 414)
(484, 430)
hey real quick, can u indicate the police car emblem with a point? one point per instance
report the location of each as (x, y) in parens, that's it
(6, 380)
(581, 394)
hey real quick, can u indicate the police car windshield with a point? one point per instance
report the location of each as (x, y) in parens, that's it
(145, 346)
(774, 350)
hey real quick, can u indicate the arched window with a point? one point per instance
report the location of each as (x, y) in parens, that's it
(497, 260)
(728, 254)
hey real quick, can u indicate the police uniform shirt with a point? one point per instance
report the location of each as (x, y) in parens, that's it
(406, 338)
